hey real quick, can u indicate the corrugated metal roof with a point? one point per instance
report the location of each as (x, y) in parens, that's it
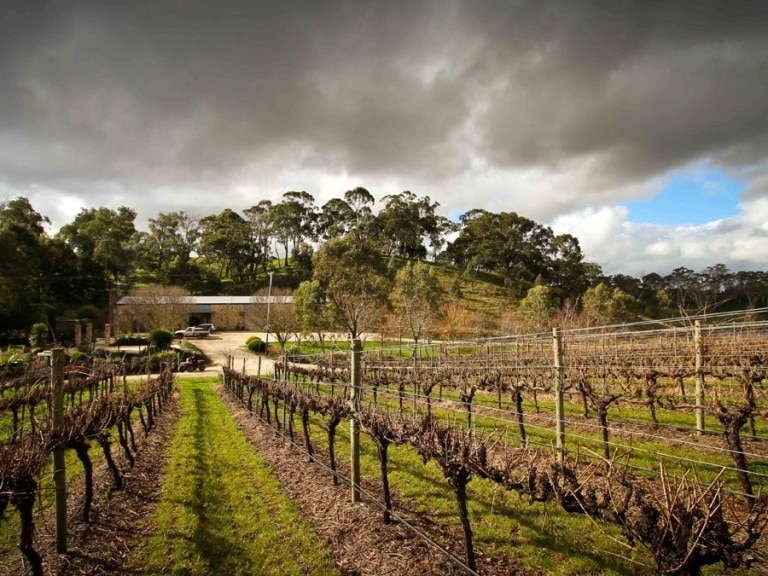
(213, 300)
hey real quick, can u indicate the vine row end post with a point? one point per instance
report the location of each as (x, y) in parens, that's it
(353, 422)
(557, 348)
(699, 345)
(59, 471)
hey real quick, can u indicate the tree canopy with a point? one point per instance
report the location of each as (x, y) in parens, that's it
(354, 277)
(44, 278)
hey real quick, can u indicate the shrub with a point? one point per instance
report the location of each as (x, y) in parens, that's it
(89, 311)
(131, 340)
(256, 345)
(163, 358)
(161, 339)
(38, 335)
(78, 357)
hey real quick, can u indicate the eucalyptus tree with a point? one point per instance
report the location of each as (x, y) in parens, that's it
(294, 220)
(681, 283)
(751, 288)
(40, 277)
(520, 250)
(168, 246)
(22, 235)
(260, 228)
(569, 274)
(404, 223)
(361, 202)
(106, 236)
(354, 277)
(438, 236)
(352, 214)
(224, 244)
(336, 219)
(715, 286)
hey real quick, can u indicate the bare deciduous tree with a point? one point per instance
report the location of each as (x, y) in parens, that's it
(277, 317)
(155, 307)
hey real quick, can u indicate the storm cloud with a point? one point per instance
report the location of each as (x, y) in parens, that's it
(550, 109)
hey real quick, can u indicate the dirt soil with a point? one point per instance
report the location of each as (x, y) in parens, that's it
(220, 346)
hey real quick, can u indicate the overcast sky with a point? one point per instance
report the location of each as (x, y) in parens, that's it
(639, 127)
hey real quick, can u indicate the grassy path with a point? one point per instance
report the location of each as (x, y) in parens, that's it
(221, 511)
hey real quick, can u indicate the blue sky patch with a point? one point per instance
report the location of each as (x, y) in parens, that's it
(689, 198)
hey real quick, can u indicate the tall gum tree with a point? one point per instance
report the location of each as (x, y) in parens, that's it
(354, 277)
(108, 237)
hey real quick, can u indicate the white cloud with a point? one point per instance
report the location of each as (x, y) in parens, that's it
(557, 111)
(621, 246)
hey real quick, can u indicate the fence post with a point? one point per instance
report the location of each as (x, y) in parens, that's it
(557, 348)
(699, 347)
(59, 471)
(354, 425)
(415, 374)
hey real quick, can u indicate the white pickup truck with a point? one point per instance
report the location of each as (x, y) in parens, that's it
(192, 332)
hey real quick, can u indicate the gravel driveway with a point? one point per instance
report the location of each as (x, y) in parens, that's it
(220, 345)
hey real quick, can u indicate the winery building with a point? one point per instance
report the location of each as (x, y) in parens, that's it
(225, 312)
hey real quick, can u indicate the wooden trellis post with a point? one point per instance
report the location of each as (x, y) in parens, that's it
(557, 348)
(59, 471)
(699, 347)
(354, 425)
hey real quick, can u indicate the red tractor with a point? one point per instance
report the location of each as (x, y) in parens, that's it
(191, 364)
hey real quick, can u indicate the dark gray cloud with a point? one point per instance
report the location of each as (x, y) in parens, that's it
(473, 103)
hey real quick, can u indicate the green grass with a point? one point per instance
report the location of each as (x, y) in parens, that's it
(505, 525)
(222, 512)
(543, 536)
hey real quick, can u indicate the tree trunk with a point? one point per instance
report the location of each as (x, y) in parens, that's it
(332, 424)
(383, 446)
(460, 489)
(602, 415)
(113, 469)
(305, 426)
(81, 449)
(124, 443)
(519, 409)
(732, 421)
(24, 500)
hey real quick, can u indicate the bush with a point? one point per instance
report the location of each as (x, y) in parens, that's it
(161, 339)
(78, 357)
(256, 345)
(131, 340)
(38, 335)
